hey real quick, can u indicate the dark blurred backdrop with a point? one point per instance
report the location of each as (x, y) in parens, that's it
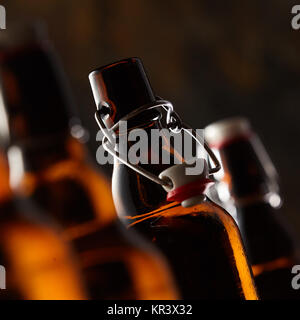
(213, 59)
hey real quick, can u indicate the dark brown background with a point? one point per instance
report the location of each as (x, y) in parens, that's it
(211, 58)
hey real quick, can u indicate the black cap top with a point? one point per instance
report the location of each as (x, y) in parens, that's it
(123, 85)
(35, 99)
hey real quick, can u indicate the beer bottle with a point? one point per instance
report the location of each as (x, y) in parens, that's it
(49, 166)
(36, 263)
(201, 242)
(250, 181)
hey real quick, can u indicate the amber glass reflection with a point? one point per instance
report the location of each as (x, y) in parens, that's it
(116, 264)
(5, 191)
(39, 265)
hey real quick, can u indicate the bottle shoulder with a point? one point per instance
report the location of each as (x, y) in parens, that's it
(173, 215)
(72, 190)
(114, 241)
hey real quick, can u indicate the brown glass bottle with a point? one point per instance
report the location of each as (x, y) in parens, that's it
(38, 263)
(251, 181)
(57, 176)
(202, 243)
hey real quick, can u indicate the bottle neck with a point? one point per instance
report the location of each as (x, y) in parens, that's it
(34, 156)
(134, 193)
(150, 146)
(36, 96)
(244, 172)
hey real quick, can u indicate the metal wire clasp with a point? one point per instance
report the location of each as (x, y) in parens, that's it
(174, 123)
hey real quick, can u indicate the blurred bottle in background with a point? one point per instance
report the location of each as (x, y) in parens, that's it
(50, 167)
(39, 264)
(202, 242)
(248, 184)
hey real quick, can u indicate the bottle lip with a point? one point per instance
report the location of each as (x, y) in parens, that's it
(24, 32)
(225, 131)
(121, 87)
(110, 65)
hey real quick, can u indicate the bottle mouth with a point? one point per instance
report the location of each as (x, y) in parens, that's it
(112, 65)
(227, 131)
(120, 88)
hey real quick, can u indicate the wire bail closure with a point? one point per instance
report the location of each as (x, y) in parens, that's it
(174, 123)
